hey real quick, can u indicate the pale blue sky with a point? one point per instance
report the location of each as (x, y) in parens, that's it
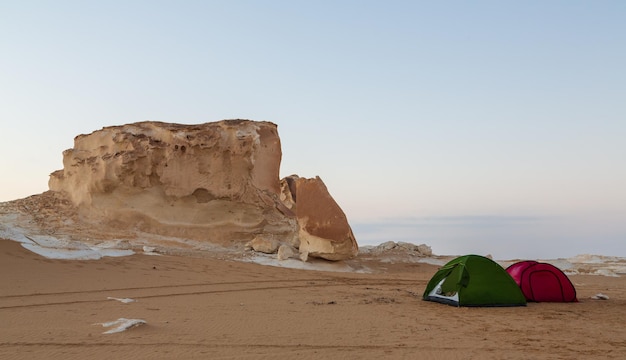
(487, 126)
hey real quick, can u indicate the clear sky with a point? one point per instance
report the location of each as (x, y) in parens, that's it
(489, 127)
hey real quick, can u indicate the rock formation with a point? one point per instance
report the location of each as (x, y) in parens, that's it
(323, 227)
(214, 182)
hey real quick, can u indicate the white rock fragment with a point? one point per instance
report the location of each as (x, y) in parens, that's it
(150, 250)
(122, 300)
(600, 296)
(121, 324)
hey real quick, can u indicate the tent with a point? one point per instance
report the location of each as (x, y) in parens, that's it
(542, 282)
(473, 280)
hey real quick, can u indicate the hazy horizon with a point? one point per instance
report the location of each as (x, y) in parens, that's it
(484, 127)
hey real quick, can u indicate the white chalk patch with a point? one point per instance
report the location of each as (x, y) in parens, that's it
(121, 324)
(122, 300)
(432, 261)
(150, 250)
(319, 265)
(600, 296)
(53, 247)
(93, 253)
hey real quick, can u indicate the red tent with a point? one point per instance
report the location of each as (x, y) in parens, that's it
(542, 282)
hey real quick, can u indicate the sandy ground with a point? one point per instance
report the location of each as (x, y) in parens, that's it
(207, 308)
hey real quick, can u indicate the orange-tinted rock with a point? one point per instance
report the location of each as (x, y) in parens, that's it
(324, 228)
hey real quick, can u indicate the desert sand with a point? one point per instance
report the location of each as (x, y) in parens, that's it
(213, 307)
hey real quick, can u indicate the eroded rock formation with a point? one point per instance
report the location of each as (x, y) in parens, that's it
(214, 182)
(324, 230)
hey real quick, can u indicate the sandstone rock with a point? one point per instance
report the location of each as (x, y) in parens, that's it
(286, 251)
(406, 246)
(264, 243)
(388, 245)
(304, 256)
(324, 230)
(216, 182)
(402, 247)
(424, 250)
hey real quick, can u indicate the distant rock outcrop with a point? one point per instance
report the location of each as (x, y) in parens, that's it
(214, 182)
(399, 251)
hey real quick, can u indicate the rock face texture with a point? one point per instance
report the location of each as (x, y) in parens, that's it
(231, 159)
(214, 182)
(324, 230)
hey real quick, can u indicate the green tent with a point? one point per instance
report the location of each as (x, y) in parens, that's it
(474, 280)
